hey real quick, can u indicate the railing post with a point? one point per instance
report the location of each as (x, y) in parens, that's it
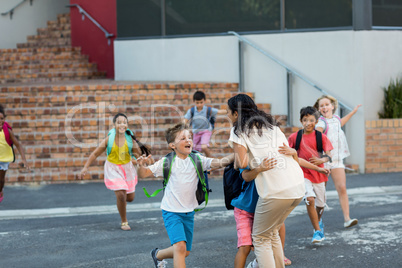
(241, 66)
(290, 98)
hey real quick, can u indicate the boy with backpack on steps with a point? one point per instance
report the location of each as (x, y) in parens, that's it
(310, 145)
(202, 119)
(179, 200)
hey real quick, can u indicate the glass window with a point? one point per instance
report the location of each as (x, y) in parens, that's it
(216, 16)
(318, 14)
(138, 18)
(387, 13)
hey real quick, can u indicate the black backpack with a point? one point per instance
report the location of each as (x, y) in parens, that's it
(210, 118)
(232, 184)
(202, 191)
(318, 138)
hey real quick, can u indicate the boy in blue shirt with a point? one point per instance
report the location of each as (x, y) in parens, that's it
(201, 119)
(179, 200)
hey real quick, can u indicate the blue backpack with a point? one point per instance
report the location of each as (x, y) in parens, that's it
(129, 138)
(210, 118)
(202, 191)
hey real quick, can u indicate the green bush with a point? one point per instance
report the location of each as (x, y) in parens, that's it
(392, 100)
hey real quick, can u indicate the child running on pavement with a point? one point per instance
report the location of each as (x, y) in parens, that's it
(122, 148)
(179, 200)
(307, 149)
(7, 139)
(331, 125)
(202, 118)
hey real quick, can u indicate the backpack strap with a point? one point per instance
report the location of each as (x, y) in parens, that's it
(337, 117)
(210, 118)
(167, 168)
(326, 124)
(192, 109)
(298, 139)
(6, 132)
(110, 141)
(129, 138)
(196, 159)
(318, 139)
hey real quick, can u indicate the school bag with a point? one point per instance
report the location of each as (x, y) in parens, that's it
(210, 118)
(202, 191)
(326, 122)
(129, 138)
(7, 136)
(232, 185)
(318, 139)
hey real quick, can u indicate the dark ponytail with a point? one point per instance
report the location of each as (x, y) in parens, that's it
(2, 110)
(145, 149)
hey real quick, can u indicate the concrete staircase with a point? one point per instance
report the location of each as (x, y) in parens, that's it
(46, 57)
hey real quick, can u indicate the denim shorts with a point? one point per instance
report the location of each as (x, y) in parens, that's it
(179, 227)
(4, 165)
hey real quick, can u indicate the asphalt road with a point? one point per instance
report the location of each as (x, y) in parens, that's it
(77, 225)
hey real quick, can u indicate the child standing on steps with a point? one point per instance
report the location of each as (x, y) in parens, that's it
(179, 199)
(202, 119)
(122, 148)
(7, 139)
(310, 144)
(330, 124)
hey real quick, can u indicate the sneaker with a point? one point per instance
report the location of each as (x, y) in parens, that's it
(158, 263)
(1, 196)
(253, 264)
(318, 237)
(321, 224)
(350, 223)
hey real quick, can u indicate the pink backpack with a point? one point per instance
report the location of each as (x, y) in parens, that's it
(7, 136)
(326, 122)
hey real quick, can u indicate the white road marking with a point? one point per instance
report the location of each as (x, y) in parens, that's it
(360, 193)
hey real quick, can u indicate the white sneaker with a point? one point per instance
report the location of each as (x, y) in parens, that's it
(350, 223)
(253, 264)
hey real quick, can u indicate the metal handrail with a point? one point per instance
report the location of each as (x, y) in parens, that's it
(11, 11)
(84, 13)
(288, 69)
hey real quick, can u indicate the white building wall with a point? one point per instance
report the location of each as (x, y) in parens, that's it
(26, 19)
(351, 65)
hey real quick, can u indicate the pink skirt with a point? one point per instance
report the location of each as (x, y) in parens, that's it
(120, 177)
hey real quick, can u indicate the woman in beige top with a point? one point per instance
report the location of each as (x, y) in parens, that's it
(259, 143)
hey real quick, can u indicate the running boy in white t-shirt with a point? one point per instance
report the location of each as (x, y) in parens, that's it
(179, 200)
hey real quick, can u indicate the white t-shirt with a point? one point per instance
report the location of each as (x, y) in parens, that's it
(286, 180)
(180, 190)
(337, 137)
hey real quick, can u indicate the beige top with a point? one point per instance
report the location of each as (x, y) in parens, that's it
(286, 180)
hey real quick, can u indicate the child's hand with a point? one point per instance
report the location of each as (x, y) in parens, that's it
(82, 173)
(286, 150)
(317, 161)
(25, 165)
(323, 170)
(357, 107)
(145, 160)
(267, 164)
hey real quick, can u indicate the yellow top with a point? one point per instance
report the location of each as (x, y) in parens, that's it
(119, 155)
(6, 152)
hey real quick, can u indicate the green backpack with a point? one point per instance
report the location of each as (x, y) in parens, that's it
(202, 186)
(129, 138)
